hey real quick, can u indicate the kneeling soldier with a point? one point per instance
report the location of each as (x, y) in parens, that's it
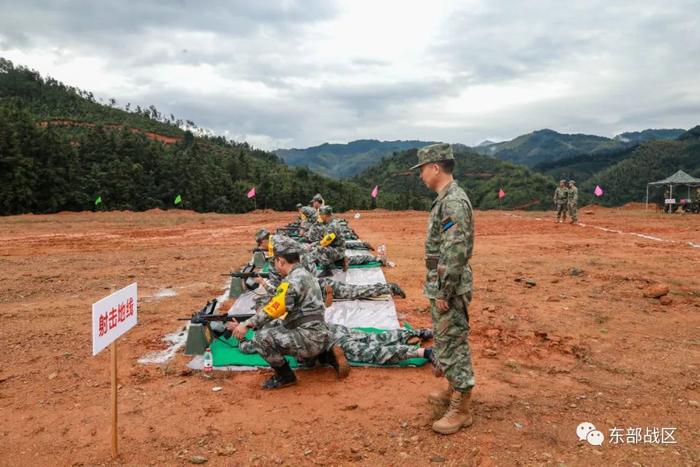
(304, 334)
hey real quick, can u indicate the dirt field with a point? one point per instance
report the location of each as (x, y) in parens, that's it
(581, 344)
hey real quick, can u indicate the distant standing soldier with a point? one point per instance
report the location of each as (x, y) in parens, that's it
(448, 286)
(572, 202)
(561, 195)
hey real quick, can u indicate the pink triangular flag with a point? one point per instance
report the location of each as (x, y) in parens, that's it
(598, 191)
(375, 192)
(251, 193)
(501, 193)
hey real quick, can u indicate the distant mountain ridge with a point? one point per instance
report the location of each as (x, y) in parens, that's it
(541, 148)
(546, 146)
(650, 134)
(345, 160)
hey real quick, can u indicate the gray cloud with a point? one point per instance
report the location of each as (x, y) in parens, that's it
(626, 65)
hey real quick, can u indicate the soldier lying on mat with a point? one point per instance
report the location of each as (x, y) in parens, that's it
(331, 289)
(389, 347)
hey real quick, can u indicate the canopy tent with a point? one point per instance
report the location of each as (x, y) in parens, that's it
(678, 178)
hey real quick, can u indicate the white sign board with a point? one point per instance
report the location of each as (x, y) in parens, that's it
(670, 201)
(113, 316)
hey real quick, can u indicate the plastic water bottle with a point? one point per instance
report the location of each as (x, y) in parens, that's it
(208, 362)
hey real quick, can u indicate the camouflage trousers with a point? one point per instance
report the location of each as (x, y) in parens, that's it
(378, 348)
(305, 342)
(561, 211)
(344, 291)
(326, 255)
(362, 259)
(356, 244)
(451, 347)
(573, 212)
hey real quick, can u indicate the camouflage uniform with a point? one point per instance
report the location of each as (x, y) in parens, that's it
(363, 259)
(327, 255)
(304, 334)
(448, 248)
(561, 195)
(315, 232)
(344, 291)
(307, 222)
(365, 347)
(378, 348)
(572, 202)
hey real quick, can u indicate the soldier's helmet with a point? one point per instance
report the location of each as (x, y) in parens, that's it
(562, 181)
(317, 197)
(261, 235)
(299, 205)
(282, 245)
(572, 182)
(308, 211)
(434, 153)
(325, 210)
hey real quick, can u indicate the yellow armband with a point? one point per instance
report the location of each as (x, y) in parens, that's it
(270, 249)
(328, 239)
(302, 217)
(276, 307)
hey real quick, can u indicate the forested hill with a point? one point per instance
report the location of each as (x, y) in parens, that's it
(481, 176)
(544, 146)
(345, 160)
(60, 149)
(650, 161)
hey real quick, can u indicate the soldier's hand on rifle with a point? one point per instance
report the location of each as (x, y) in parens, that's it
(240, 331)
(231, 325)
(259, 280)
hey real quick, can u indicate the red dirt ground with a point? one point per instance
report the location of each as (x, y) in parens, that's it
(572, 348)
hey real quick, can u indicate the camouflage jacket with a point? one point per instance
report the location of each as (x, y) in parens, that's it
(573, 195)
(315, 231)
(334, 227)
(298, 295)
(561, 194)
(449, 244)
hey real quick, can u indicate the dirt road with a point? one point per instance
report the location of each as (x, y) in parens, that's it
(561, 334)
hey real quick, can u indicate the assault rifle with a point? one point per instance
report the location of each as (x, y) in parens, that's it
(247, 272)
(206, 317)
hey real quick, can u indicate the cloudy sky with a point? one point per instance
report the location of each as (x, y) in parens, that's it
(299, 73)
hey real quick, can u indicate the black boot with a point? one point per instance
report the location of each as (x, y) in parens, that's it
(429, 354)
(425, 334)
(284, 376)
(396, 290)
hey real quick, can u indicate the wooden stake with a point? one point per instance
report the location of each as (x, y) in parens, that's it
(115, 450)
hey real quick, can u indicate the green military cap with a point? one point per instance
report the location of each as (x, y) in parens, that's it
(261, 235)
(317, 197)
(562, 181)
(308, 211)
(571, 181)
(327, 210)
(434, 153)
(282, 245)
(299, 205)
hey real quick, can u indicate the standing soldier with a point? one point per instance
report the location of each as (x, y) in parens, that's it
(572, 202)
(561, 195)
(304, 333)
(448, 286)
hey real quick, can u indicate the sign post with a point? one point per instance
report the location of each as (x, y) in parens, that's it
(113, 316)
